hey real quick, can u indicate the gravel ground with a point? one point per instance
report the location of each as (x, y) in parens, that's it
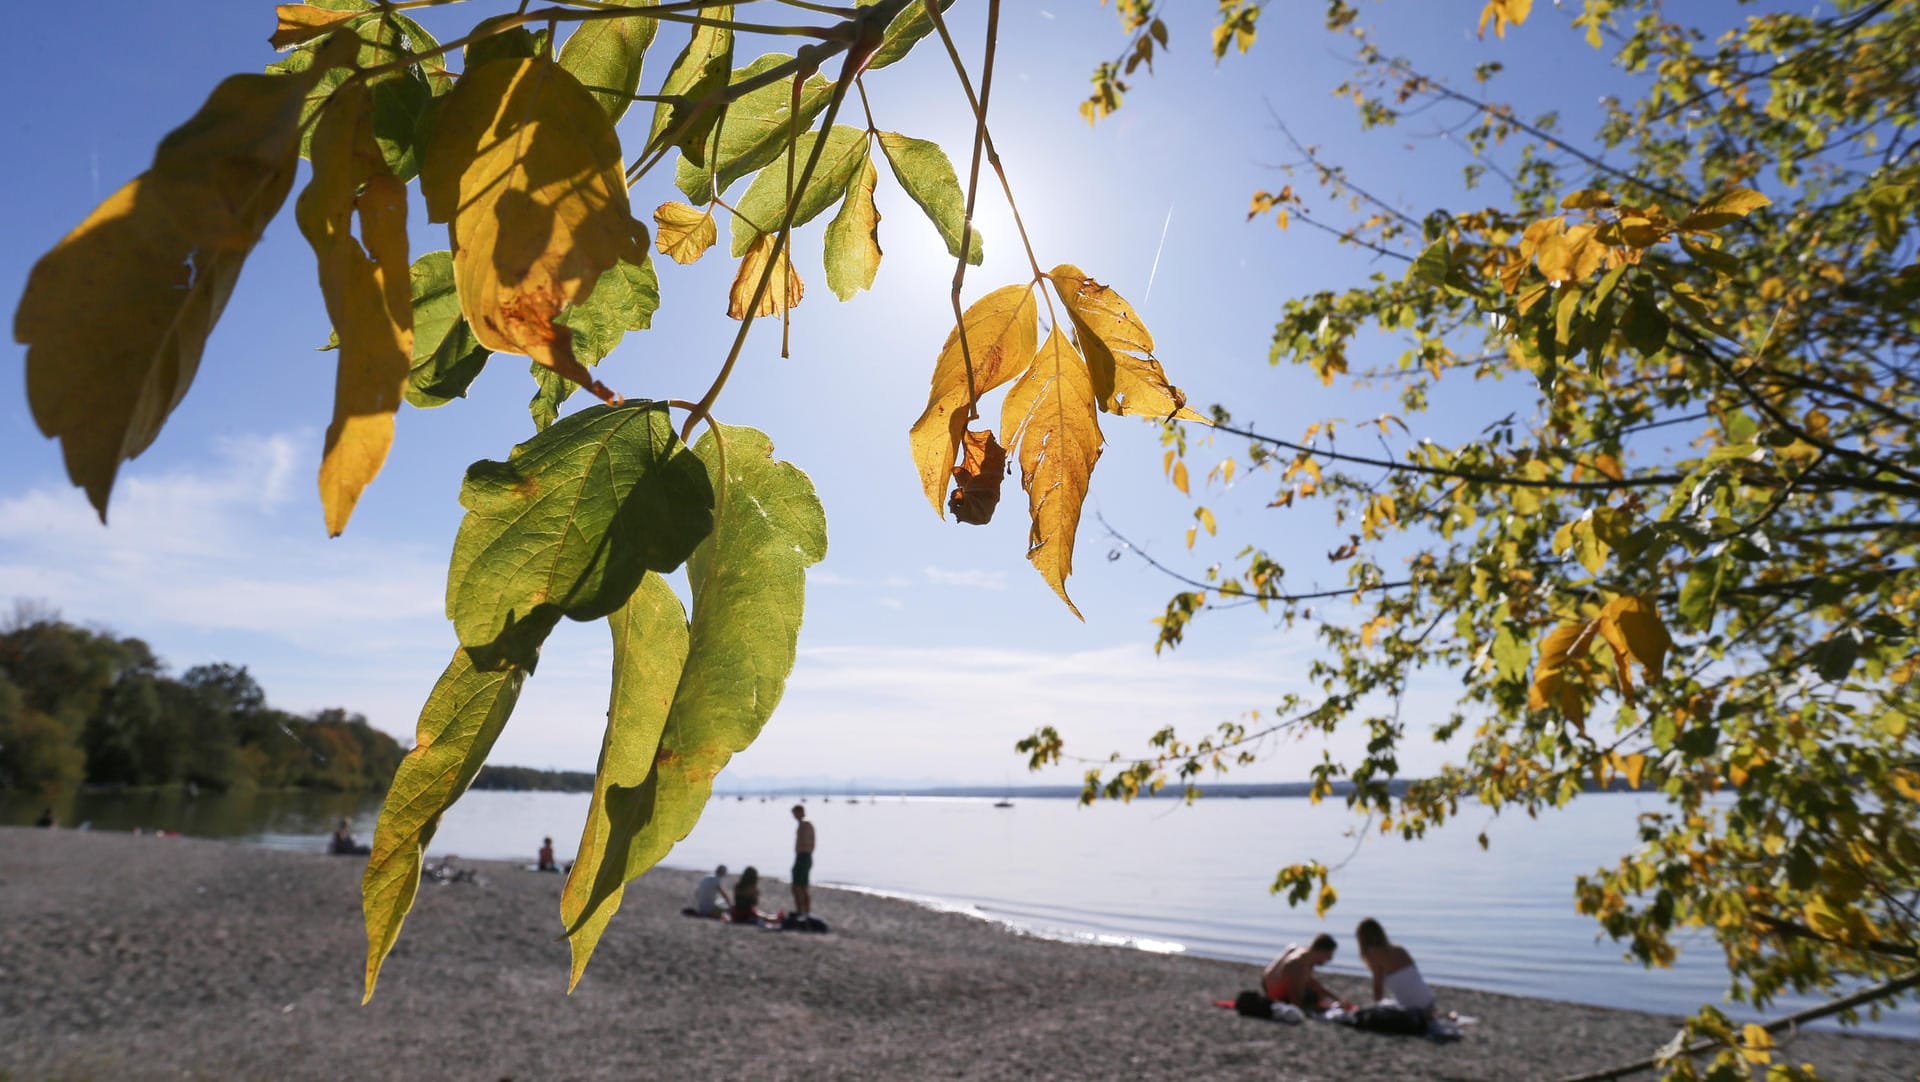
(127, 957)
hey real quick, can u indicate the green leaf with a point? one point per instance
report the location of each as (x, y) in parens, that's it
(764, 204)
(1700, 593)
(1834, 658)
(700, 71)
(757, 127)
(606, 55)
(624, 299)
(1644, 324)
(446, 355)
(853, 237)
(514, 43)
(923, 170)
(569, 523)
(749, 586)
(1433, 265)
(462, 718)
(403, 100)
(649, 651)
(903, 33)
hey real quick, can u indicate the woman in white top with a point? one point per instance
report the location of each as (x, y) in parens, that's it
(1395, 976)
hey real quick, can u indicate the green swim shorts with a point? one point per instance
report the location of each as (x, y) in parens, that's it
(802, 865)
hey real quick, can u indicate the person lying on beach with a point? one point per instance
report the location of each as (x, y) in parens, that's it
(1395, 977)
(746, 897)
(1289, 978)
(709, 893)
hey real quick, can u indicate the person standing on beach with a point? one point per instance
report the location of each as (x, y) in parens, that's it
(802, 862)
(1289, 978)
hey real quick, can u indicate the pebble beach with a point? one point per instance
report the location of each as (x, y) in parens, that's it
(139, 957)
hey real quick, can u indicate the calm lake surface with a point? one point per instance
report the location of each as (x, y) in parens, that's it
(1154, 875)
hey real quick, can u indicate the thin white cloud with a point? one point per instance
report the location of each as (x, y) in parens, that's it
(966, 579)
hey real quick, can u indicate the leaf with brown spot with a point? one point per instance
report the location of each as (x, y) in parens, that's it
(1052, 420)
(525, 169)
(304, 22)
(1002, 328)
(164, 251)
(1127, 378)
(367, 290)
(784, 290)
(976, 480)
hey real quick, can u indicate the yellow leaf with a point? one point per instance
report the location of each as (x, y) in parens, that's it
(1325, 901)
(1725, 209)
(1205, 518)
(1551, 688)
(1907, 783)
(304, 22)
(366, 287)
(1127, 380)
(525, 169)
(1632, 626)
(1504, 13)
(163, 253)
(1051, 417)
(1002, 328)
(783, 291)
(1633, 766)
(1756, 1043)
(682, 233)
(1180, 478)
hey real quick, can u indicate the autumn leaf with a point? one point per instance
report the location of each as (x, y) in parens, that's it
(166, 250)
(525, 169)
(1552, 689)
(1052, 421)
(784, 289)
(853, 237)
(304, 22)
(462, 718)
(976, 480)
(1002, 328)
(1127, 380)
(748, 580)
(1504, 13)
(1725, 209)
(683, 233)
(366, 286)
(403, 99)
(1632, 627)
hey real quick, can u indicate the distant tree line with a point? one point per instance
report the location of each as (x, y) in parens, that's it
(80, 706)
(526, 777)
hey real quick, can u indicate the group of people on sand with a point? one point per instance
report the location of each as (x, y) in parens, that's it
(1396, 979)
(743, 905)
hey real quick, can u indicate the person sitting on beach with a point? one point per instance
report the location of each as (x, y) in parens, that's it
(708, 893)
(46, 819)
(746, 897)
(546, 856)
(1395, 978)
(343, 844)
(1289, 978)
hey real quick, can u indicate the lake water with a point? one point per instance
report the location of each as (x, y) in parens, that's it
(1154, 875)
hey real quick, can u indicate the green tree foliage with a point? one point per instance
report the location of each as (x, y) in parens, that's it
(1680, 554)
(521, 156)
(80, 706)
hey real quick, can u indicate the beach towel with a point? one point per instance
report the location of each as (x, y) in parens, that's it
(1255, 1005)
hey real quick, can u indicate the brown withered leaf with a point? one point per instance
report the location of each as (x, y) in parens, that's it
(784, 291)
(1001, 330)
(976, 480)
(367, 290)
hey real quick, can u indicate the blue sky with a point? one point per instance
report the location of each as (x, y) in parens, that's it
(929, 647)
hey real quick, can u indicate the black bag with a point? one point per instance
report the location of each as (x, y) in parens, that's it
(1253, 1005)
(1391, 1018)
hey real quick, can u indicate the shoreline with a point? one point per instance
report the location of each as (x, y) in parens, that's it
(141, 957)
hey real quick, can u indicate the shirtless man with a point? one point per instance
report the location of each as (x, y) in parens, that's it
(802, 862)
(1289, 978)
